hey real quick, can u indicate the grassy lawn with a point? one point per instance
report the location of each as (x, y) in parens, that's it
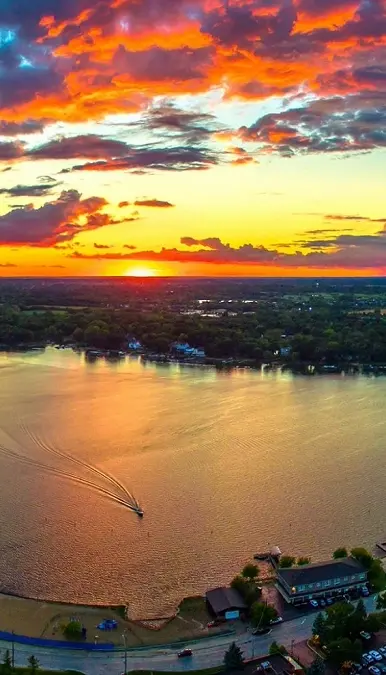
(194, 608)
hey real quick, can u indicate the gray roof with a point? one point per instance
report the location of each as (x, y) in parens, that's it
(313, 574)
(225, 599)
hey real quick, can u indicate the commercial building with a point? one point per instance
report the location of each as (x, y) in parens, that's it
(320, 580)
(225, 603)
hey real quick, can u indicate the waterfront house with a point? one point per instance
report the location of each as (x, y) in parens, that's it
(222, 600)
(134, 345)
(320, 580)
(184, 349)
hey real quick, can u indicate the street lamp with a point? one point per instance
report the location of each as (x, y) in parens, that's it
(125, 643)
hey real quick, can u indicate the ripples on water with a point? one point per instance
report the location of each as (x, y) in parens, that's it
(224, 465)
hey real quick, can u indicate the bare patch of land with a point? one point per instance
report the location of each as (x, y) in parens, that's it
(36, 618)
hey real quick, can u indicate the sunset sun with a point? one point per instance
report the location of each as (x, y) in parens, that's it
(141, 271)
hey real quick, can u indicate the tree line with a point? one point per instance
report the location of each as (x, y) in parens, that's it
(284, 332)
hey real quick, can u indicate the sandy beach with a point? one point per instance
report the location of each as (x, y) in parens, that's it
(36, 618)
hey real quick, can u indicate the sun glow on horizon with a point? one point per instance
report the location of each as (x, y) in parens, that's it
(142, 271)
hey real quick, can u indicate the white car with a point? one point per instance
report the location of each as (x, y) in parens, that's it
(382, 650)
(314, 603)
(376, 655)
(374, 670)
(278, 619)
(367, 658)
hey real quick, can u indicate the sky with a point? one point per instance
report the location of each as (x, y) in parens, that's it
(193, 137)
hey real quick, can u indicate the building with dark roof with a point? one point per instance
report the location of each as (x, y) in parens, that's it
(274, 664)
(223, 600)
(320, 580)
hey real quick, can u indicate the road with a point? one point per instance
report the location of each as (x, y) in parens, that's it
(206, 653)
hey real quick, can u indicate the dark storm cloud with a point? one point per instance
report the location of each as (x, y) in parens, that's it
(89, 146)
(343, 251)
(190, 127)
(11, 150)
(158, 64)
(38, 190)
(22, 128)
(330, 125)
(149, 158)
(53, 222)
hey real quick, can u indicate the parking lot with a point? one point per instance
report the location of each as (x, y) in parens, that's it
(271, 595)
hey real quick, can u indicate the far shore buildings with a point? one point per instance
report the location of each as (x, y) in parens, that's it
(134, 345)
(184, 349)
(320, 580)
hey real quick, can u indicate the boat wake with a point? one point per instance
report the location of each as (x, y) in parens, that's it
(115, 490)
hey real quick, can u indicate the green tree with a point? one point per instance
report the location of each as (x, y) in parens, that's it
(262, 614)
(78, 334)
(343, 650)
(361, 609)
(319, 626)
(73, 630)
(377, 576)
(6, 667)
(340, 553)
(381, 601)
(248, 591)
(275, 648)
(363, 556)
(233, 659)
(33, 665)
(286, 561)
(373, 623)
(303, 561)
(317, 667)
(250, 572)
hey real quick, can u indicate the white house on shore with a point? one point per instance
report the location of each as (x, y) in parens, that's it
(184, 349)
(134, 345)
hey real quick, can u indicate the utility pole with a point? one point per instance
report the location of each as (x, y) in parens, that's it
(125, 643)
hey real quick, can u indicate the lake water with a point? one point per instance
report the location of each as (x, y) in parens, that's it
(224, 465)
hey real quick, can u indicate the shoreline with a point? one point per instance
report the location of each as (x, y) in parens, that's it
(307, 369)
(40, 622)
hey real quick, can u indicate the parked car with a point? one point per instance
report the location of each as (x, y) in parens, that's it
(322, 602)
(367, 659)
(329, 601)
(374, 670)
(376, 655)
(314, 603)
(365, 592)
(365, 636)
(278, 619)
(382, 650)
(382, 667)
(184, 652)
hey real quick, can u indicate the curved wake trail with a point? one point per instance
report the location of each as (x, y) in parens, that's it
(51, 450)
(64, 474)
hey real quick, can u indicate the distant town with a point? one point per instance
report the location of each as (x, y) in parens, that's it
(307, 326)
